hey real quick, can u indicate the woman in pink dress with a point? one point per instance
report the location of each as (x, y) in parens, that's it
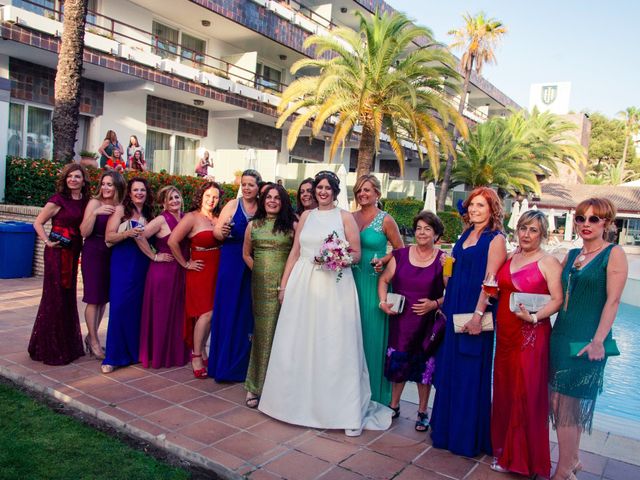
(161, 343)
(519, 423)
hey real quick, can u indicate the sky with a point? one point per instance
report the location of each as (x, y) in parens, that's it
(592, 44)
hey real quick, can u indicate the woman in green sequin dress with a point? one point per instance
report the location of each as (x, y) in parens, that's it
(593, 278)
(376, 229)
(267, 243)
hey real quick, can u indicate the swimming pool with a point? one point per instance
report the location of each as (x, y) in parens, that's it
(618, 408)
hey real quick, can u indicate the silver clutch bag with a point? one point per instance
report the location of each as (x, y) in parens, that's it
(532, 302)
(397, 302)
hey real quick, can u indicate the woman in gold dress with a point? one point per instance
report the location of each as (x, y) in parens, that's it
(267, 242)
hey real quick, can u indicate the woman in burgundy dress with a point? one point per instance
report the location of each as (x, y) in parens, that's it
(414, 334)
(96, 256)
(201, 269)
(519, 422)
(56, 338)
(161, 343)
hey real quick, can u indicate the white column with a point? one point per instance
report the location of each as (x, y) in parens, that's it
(5, 97)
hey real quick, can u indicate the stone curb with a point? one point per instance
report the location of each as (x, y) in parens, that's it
(156, 440)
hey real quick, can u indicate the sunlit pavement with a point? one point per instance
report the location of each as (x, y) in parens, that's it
(208, 424)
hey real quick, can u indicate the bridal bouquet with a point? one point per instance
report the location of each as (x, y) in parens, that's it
(335, 255)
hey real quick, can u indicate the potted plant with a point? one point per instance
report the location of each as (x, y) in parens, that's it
(88, 159)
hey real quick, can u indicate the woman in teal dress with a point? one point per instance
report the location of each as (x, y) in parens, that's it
(267, 243)
(593, 278)
(377, 228)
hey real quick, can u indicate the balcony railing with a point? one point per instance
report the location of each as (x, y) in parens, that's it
(139, 44)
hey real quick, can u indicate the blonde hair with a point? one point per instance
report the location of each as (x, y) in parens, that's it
(372, 179)
(164, 193)
(535, 215)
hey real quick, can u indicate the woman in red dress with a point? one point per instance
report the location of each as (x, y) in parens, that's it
(519, 423)
(202, 269)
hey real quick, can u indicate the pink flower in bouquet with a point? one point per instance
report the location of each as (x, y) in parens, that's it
(335, 255)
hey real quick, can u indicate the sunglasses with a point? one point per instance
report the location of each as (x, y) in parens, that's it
(580, 219)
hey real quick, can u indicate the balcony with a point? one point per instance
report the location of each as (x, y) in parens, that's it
(236, 73)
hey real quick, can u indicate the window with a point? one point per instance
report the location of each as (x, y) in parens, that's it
(268, 77)
(30, 132)
(172, 43)
(301, 160)
(192, 48)
(47, 8)
(172, 153)
(390, 166)
(165, 40)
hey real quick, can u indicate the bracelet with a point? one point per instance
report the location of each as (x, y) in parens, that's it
(380, 304)
(479, 312)
(281, 289)
(187, 265)
(534, 318)
(155, 257)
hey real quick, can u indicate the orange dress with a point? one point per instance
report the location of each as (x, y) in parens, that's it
(201, 286)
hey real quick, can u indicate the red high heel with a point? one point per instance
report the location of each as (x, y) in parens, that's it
(201, 372)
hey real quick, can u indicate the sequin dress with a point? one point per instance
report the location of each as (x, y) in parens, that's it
(270, 253)
(585, 293)
(55, 338)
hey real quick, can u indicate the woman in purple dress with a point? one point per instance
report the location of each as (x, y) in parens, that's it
(414, 333)
(161, 342)
(96, 256)
(56, 339)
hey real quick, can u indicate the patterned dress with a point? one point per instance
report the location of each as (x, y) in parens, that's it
(56, 339)
(270, 252)
(374, 321)
(585, 293)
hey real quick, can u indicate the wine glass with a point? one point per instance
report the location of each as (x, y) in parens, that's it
(490, 286)
(231, 223)
(373, 262)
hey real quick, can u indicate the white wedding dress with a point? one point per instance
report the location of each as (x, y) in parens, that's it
(317, 374)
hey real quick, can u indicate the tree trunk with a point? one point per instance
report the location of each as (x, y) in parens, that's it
(446, 178)
(626, 148)
(68, 75)
(366, 150)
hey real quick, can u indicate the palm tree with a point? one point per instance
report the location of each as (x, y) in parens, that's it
(375, 81)
(631, 118)
(493, 157)
(611, 174)
(478, 38)
(68, 75)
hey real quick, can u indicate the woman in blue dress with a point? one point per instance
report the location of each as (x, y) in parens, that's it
(461, 418)
(232, 319)
(130, 256)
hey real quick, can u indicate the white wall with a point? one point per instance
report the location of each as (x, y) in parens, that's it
(550, 97)
(222, 133)
(124, 112)
(132, 14)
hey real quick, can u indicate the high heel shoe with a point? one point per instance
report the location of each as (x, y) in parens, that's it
(107, 369)
(91, 351)
(577, 467)
(200, 372)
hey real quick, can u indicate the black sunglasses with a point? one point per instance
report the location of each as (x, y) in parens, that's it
(579, 219)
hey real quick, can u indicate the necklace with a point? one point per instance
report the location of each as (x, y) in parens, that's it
(583, 256)
(428, 259)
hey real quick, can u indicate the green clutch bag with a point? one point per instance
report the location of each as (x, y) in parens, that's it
(610, 349)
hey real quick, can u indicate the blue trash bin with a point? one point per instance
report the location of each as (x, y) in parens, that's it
(16, 249)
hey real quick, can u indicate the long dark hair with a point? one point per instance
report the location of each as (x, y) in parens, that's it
(61, 184)
(299, 206)
(119, 184)
(127, 203)
(332, 178)
(286, 216)
(196, 205)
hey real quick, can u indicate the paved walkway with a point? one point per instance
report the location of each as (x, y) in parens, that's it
(208, 424)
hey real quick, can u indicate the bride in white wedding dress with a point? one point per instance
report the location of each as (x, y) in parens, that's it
(317, 374)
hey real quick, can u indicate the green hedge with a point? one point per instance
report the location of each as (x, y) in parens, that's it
(32, 182)
(403, 211)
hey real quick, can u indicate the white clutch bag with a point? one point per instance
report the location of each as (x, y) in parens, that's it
(532, 302)
(397, 302)
(461, 319)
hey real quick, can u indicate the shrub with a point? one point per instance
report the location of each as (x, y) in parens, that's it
(32, 182)
(453, 226)
(403, 212)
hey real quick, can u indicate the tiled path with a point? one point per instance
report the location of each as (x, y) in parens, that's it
(208, 423)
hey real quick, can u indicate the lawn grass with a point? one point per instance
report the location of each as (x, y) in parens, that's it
(38, 443)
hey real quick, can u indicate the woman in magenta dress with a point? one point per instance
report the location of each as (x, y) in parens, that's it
(201, 270)
(520, 419)
(161, 343)
(56, 339)
(415, 333)
(96, 256)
